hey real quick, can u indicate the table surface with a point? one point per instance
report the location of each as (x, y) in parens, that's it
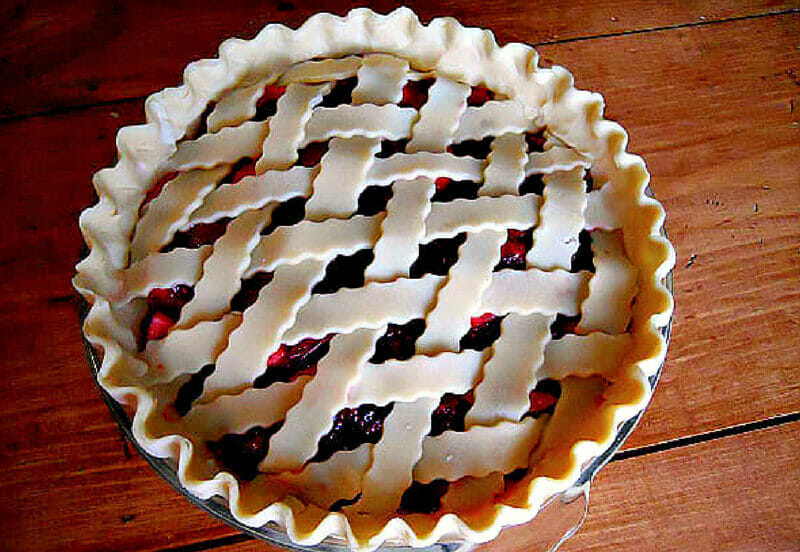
(709, 92)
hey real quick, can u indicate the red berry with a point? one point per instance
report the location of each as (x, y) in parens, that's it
(541, 401)
(159, 326)
(312, 154)
(244, 167)
(415, 93)
(272, 92)
(159, 184)
(442, 183)
(479, 96)
(482, 320)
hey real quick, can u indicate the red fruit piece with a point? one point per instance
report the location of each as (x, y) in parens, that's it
(243, 167)
(442, 183)
(156, 188)
(483, 320)
(312, 154)
(514, 250)
(292, 361)
(163, 299)
(479, 96)
(415, 93)
(541, 401)
(535, 141)
(198, 235)
(450, 413)
(159, 326)
(267, 104)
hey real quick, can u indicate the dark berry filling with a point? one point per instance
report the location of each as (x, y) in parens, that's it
(448, 189)
(243, 167)
(342, 93)
(533, 184)
(201, 126)
(292, 361)
(373, 200)
(157, 186)
(512, 478)
(564, 325)
(163, 311)
(415, 93)
(201, 234)
(311, 154)
(267, 104)
(248, 293)
(544, 398)
(437, 256)
(479, 95)
(352, 427)
(589, 181)
(288, 213)
(191, 390)
(535, 141)
(390, 147)
(240, 454)
(514, 250)
(345, 271)
(583, 258)
(479, 149)
(398, 341)
(483, 331)
(423, 498)
(450, 413)
(342, 502)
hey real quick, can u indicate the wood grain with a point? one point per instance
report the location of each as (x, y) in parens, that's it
(713, 139)
(737, 493)
(57, 55)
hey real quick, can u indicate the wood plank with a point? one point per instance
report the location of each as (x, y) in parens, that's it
(738, 303)
(736, 493)
(57, 55)
(722, 150)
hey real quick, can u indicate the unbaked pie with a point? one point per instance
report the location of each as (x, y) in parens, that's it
(376, 280)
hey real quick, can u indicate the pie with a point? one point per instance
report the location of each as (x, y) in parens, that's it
(376, 280)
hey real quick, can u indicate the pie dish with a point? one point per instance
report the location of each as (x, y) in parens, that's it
(377, 280)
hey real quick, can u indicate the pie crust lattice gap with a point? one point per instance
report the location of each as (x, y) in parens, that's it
(319, 249)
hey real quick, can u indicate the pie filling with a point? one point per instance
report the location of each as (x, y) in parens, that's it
(375, 289)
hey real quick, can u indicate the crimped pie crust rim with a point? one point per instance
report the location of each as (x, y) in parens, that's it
(572, 115)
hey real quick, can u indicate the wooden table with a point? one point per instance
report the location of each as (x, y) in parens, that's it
(709, 93)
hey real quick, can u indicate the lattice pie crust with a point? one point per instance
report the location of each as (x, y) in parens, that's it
(194, 137)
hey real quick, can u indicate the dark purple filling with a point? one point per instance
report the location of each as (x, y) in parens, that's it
(352, 427)
(478, 149)
(583, 258)
(483, 331)
(437, 256)
(448, 190)
(191, 390)
(288, 213)
(342, 93)
(240, 454)
(373, 200)
(267, 104)
(248, 293)
(450, 413)
(535, 141)
(398, 341)
(514, 250)
(198, 235)
(292, 361)
(564, 325)
(415, 93)
(423, 498)
(533, 184)
(345, 271)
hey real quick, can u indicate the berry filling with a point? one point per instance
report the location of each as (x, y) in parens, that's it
(191, 390)
(479, 149)
(398, 341)
(390, 147)
(583, 258)
(345, 271)
(342, 502)
(292, 361)
(248, 293)
(448, 189)
(544, 398)
(512, 478)
(564, 325)
(158, 185)
(201, 234)
(437, 256)
(513, 252)
(311, 154)
(589, 181)
(288, 213)
(342, 93)
(415, 93)
(450, 413)
(201, 126)
(483, 331)
(267, 104)
(423, 498)
(479, 95)
(373, 200)
(535, 141)
(243, 167)
(533, 184)
(240, 454)
(163, 311)
(352, 427)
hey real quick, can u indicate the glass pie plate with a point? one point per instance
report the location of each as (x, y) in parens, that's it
(560, 517)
